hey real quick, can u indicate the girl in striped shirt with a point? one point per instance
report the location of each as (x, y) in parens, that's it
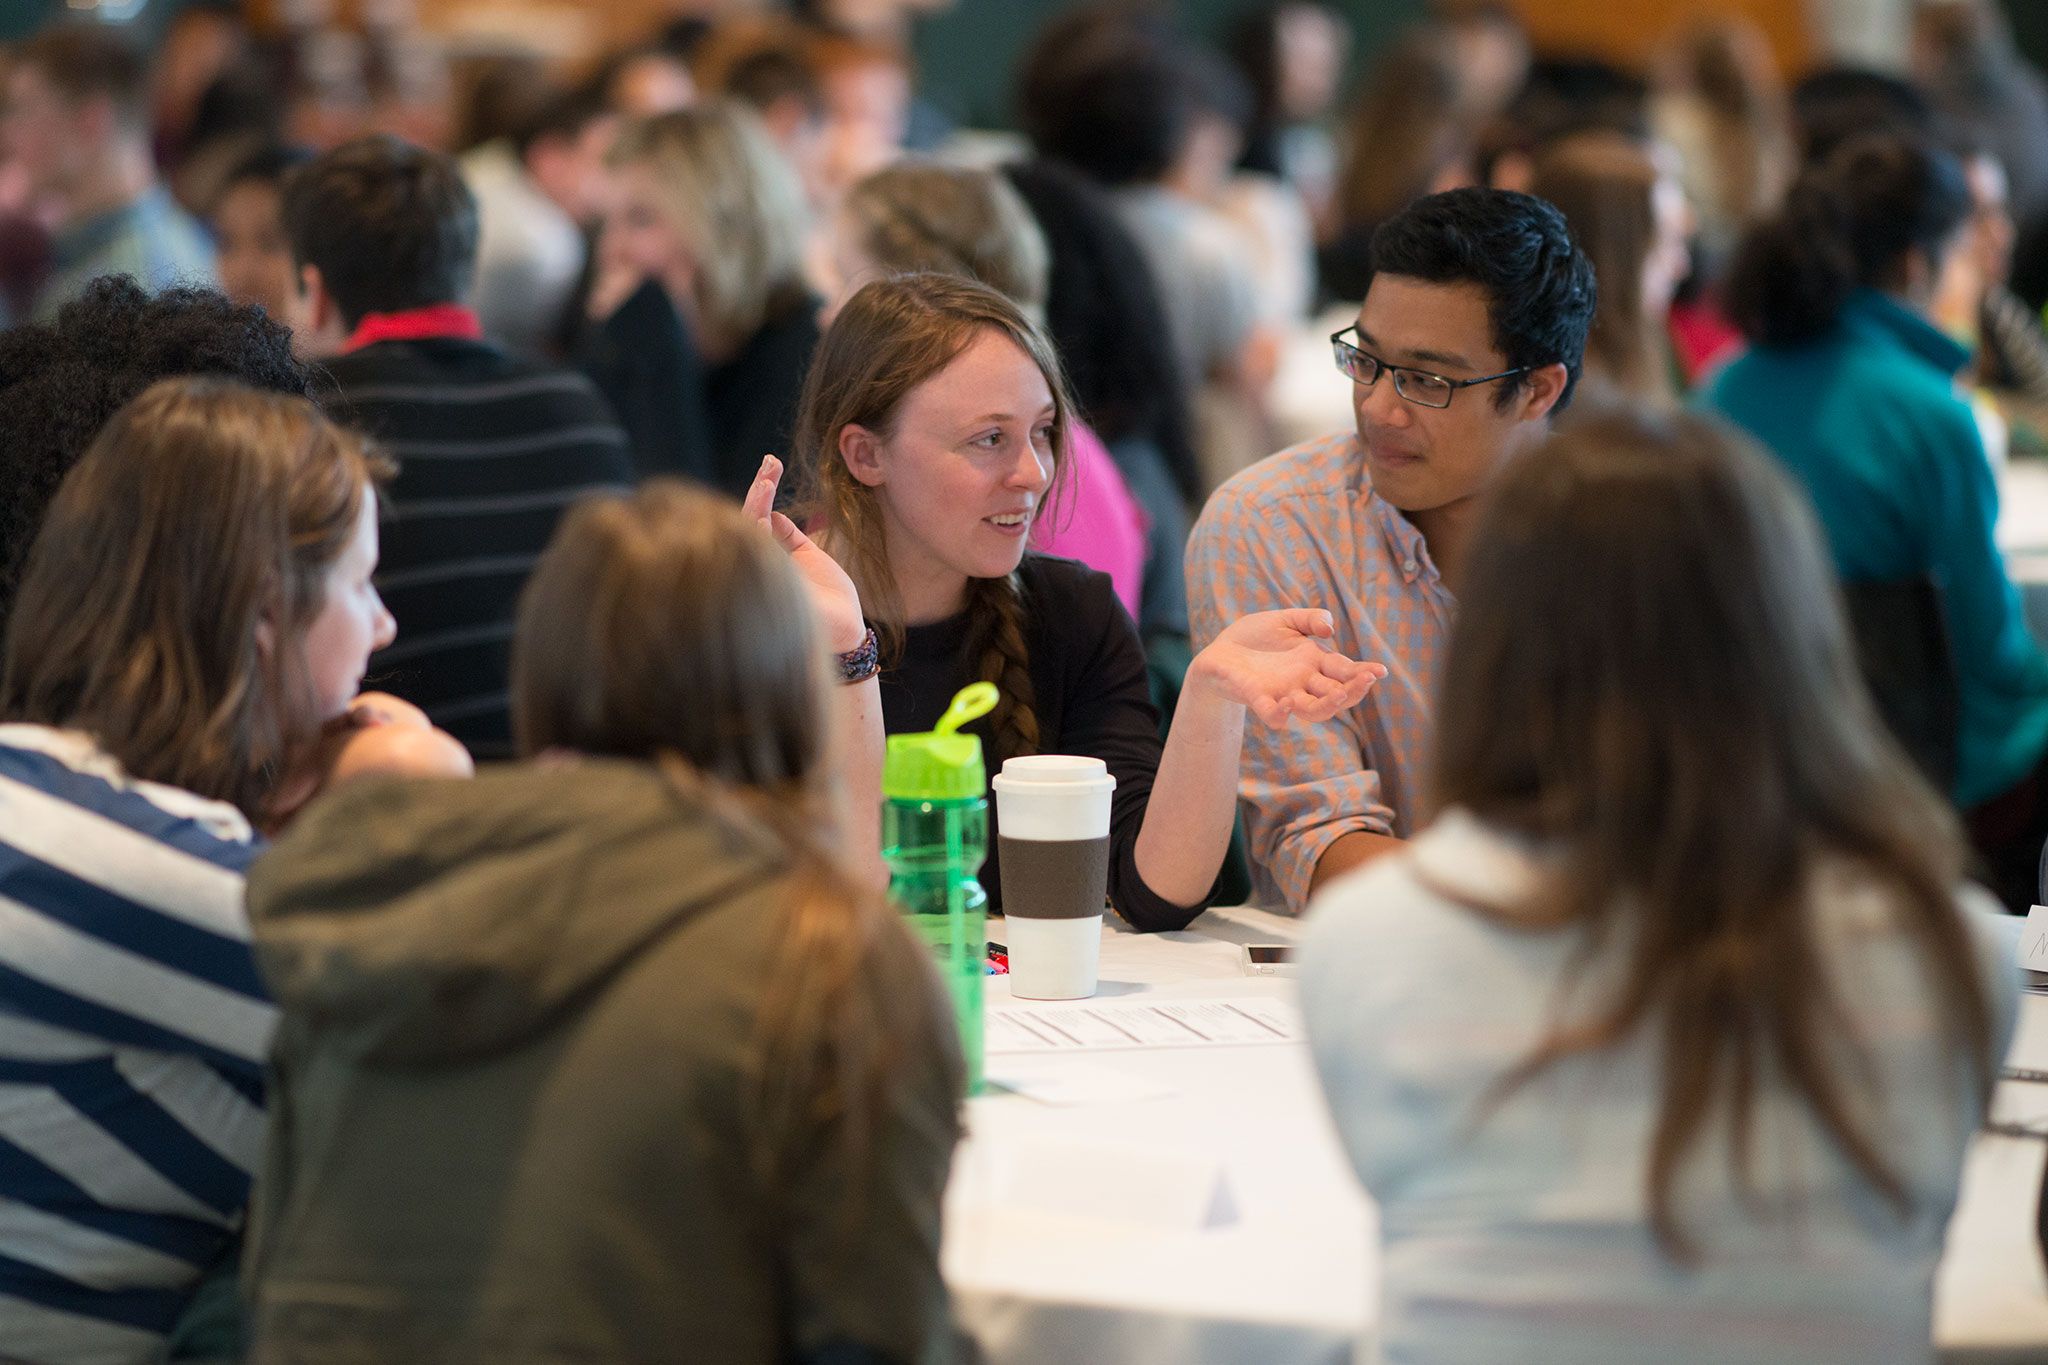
(180, 672)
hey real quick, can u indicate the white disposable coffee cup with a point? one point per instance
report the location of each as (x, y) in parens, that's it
(1052, 823)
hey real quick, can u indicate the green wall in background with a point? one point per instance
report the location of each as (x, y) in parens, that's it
(965, 55)
(2030, 26)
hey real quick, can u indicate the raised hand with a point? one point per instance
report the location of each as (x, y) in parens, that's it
(1276, 665)
(834, 599)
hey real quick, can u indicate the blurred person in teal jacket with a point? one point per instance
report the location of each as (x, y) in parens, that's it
(1853, 388)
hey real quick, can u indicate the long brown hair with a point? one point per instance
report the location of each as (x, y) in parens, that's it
(1651, 675)
(665, 628)
(1605, 184)
(1408, 126)
(203, 516)
(1721, 97)
(893, 335)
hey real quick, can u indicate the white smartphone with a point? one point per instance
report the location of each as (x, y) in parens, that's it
(1268, 959)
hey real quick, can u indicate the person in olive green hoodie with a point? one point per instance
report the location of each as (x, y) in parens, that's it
(604, 1057)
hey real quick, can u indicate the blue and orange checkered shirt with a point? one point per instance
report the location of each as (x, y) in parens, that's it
(1304, 529)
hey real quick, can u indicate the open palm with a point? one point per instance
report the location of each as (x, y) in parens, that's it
(834, 599)
(1277, 665)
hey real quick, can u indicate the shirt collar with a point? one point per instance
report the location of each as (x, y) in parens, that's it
(81, 753)
(74, 244)
(434, 321)
(1870, 313)
(1405, 545)
(1463, 857)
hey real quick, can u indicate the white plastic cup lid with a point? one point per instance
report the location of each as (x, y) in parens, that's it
(1055, 770)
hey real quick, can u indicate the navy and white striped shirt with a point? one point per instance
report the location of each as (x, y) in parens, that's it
(133, 1036)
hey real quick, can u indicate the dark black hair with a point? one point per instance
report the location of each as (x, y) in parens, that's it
(1563, 96)
(1253, 42)
(245, 101)
(499, 92)
(563, 114)
(682, 38)
(1253, 45)
(1539, 285)
(270, 165)
(1847, 222)
(60, 381)
(1103, 309)
(391, 226)
(1116, 95)
(772, 73)
(1839, 104)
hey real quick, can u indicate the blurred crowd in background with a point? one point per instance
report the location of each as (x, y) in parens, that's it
(1196, 210)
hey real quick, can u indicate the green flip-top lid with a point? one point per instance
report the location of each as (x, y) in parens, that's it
(941, 765)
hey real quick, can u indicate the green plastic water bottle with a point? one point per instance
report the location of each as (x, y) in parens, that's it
(934, 838)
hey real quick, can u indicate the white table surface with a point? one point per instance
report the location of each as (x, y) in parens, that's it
(1284, 1273)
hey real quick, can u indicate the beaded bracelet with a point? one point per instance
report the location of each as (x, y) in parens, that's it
(863, 661)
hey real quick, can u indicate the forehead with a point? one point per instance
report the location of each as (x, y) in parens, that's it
(639, 184)
(252, 197)
(27, 85)
(361, 547)
(1414, 321)
(992, 374)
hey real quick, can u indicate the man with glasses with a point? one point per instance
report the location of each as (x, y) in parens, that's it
(1467, 345)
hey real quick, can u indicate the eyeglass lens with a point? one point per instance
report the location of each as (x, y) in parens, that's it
(1426, 389)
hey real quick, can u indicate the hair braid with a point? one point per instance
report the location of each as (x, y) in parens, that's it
(996, 644)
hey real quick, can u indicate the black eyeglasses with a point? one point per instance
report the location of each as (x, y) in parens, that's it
(1417, 386)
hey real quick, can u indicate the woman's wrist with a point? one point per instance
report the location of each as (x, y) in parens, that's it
(863, 661)
(1204, 683)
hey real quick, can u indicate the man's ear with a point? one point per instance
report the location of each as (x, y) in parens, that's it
(316, 322)
(1541, 388)
(862, 452)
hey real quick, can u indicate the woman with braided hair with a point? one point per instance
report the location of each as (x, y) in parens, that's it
(932, 430)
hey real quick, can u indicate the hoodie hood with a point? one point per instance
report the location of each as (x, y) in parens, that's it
(423, 922)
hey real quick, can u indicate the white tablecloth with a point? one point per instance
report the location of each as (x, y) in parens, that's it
(1068, 1239)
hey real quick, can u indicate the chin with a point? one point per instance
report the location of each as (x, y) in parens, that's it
(1403, 493)
(997, 565)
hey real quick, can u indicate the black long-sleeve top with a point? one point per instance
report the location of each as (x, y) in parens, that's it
(1088, 671)
(686, 416)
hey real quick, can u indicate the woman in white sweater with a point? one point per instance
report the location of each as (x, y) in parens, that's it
(1665, 1041)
